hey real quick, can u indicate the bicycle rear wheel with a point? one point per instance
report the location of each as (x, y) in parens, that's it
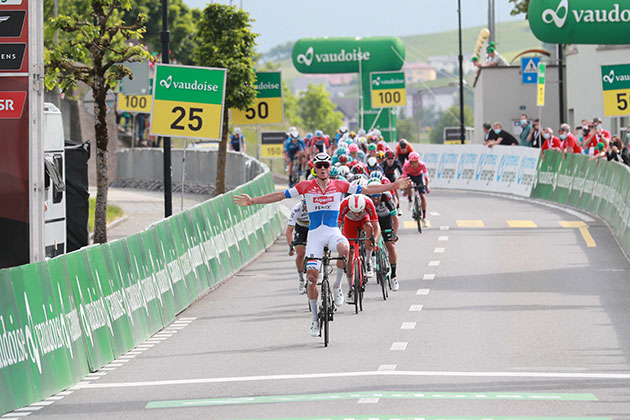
(356, 284)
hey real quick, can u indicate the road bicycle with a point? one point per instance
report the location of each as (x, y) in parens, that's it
(327, 306)
(383, 268)
(297, 170)
(417, 206)
(358, 268)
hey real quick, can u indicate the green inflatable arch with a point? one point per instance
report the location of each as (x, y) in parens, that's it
(355, 55)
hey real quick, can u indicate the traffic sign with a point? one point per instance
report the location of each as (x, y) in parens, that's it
(188, 102)
(135, 103)
(616, 90)
(541, 84)
(529, 70)
(272, 144)
(388, 89)
(267, 108)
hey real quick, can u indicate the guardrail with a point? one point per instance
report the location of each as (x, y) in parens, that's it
(71, 315)
(599, 187)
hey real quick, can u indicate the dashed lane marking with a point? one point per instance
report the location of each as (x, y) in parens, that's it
(373, 395)
(399, 346)
(521, 224)
(444, 227)
(428, 277)
(408, 326)
(443, 238)
(415, 308)
(411, 224)
(583, 228)
(386, 367)
(434, 263)
(439, 250)
(423, 292)
(434, 213)
(470, 223)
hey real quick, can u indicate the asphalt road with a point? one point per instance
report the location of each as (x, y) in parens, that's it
(504, 311)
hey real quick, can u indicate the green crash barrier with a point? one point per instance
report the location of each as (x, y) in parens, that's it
(597, 186)
(62, 318)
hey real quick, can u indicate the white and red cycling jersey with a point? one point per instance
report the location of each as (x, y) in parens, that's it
(369, 211)
(323, 206)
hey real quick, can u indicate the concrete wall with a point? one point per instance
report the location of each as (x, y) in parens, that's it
(500, 96)
(584, 83)
(146, 165)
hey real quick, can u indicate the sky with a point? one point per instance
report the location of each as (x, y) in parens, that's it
(280, 21)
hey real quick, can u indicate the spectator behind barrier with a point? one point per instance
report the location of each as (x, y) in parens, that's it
(535, 137)
(488, 133)
(503, 137)
(569, 142)
(596, 135)
(526, 128)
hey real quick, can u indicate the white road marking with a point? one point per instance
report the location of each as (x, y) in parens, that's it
(11, 415)
(121, 360)
(408, 326)
(55, 398)
(368, 400)
(444, 228)
(107, 369)
(399, 346)
(442, 238)
(543, 375)
(387, 367)
(415, 308)
(65, 393)
(434, 263)
(186, 319)
(423, 292)
(148, 346)
(439, 250)
(428, 277)
(41, 403)
(136, 351)
(128, 356)
(29, 408)
(113, 364)
(434, 213)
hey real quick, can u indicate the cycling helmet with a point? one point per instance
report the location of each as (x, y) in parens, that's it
(237, 130)
(353, 148)
(343, 129)
(340, 151)
(309, 135)
(357, 169)
(321, 157)
(343, 171)
(377, 132)
(356, 203)
(380, 155)
(342, 145)
(318, 133)
(376, 175)
(371, 147)
(402, 143)
(293, 133)
(381, 146)
(374, 181)
(334, 172)
(389, 154)
(343, 159)
(362, 140)
(372, 162)
(361, 132)
(353, 134)
(414, 157)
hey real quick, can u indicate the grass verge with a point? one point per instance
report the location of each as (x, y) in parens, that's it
(113, 212)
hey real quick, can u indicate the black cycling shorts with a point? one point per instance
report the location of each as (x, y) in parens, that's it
(418, 182)
(300, 235)
(387, 228)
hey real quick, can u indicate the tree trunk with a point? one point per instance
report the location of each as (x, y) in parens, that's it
(222, 154)
(99, 90)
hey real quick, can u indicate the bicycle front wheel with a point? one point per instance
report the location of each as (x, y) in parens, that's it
(324, 316)
(356, 284)
(418, 210)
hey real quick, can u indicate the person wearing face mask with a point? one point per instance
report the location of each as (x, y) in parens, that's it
(503, 137)
(535, 137)
(569, 142)
(551, 142)
(597, 134)
(614, 150)
(526, 128)
(488, 133)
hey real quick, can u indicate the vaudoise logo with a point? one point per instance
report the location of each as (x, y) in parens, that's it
(558, 16)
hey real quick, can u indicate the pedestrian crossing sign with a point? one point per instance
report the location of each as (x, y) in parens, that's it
(529, 69)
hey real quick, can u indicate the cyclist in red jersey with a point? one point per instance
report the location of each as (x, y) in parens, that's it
(417, 171)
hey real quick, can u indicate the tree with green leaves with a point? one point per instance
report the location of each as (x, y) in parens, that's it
(317, 111)
(225, 40)
(520, 6)
(450, 118)
(290, 104)
(96, 43)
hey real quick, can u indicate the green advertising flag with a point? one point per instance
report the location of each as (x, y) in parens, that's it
(580, 21)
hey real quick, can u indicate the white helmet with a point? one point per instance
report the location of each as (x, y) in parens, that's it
(343, 170)
(342, 145)
(371, 162)
(361, 132)
(356, 203)
(237, 130)
(293, 132)
(343, 129)
(361, 140)
(321, 157)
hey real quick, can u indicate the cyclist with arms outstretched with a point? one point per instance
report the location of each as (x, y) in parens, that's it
(323, 198)
(416, 169)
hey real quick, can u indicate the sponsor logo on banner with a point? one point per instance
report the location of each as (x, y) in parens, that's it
(486, 167)
(12, 104)
(507, 175)
(11, 56)
(446, 167)
(431, 160)
(528, 164)
(355, 55)
(11, 23)
(195, 85)
(466, 166)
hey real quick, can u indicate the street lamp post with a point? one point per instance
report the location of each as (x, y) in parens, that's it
(165, 37)
(461, 75)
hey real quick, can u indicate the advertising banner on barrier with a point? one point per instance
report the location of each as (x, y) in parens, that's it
(157, 267)
(506, 169)
(176, 273)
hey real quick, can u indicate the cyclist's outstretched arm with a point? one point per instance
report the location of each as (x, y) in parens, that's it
(402, 182)
(246, 200)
